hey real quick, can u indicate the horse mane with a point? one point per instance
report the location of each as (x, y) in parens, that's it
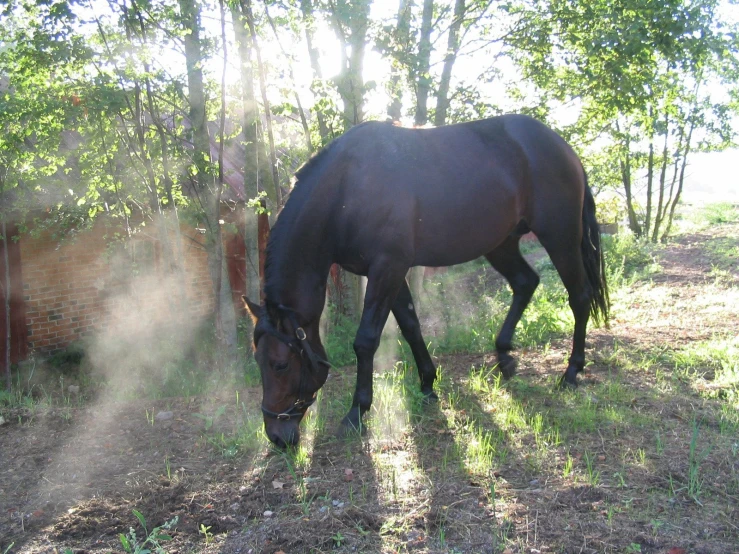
(306, 179)
(302, 188)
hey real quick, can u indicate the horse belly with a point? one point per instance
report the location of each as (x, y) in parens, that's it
(463, 232)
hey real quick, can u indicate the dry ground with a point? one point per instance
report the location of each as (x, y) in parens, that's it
(519, 467)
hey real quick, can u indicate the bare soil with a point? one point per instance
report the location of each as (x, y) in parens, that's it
(70, 475)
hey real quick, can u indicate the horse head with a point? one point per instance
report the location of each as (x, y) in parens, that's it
(293, 366)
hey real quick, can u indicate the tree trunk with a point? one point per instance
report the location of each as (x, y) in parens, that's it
(140, 147)
(423, 88)
(650, 176)
(228, 316)
(6, 300)
(337, 275)
(662, 176)
(249, 16)
(402, 43)
(155, 206)
(291, 75)
(423, 68)
(625, 163)
(681, 180)
(673, 181)
(204, 182)
(453, 42)
(306, 7)
(171, 227)
(351, 21)
(256, 171)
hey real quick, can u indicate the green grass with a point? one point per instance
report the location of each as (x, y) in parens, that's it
(720, 213)
(151, 540)
(715, 360)
(724, 252)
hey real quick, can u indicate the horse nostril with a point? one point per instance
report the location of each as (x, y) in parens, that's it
(293, 438)
(277, 441)
(286, 439)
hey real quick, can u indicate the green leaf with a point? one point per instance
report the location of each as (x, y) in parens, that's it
(140, 517)
(124, 542)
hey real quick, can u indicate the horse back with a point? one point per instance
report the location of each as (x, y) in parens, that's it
(446, 195)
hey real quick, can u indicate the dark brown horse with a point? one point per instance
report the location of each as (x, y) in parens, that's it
(382, 199)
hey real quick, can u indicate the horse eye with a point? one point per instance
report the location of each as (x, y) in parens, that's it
(282, 366)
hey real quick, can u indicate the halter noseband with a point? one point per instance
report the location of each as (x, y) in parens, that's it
(302, 345)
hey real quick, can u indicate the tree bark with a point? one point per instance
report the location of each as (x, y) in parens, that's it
(423, 68)
(673, 181)
(204, 182)
(681, 180)
(173, 270)
(401, 45)
(249, 15)
(256, 171)
(291, 75)
(352, 32)
(453, 42)
(662, 176)
(625, 163)
(170, 218)
(423, 88)
(6, 300)
(306, 6)
(650, 176)
(351, 23)
(228, 316)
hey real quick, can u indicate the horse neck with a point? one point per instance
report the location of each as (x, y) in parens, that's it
(300, 251)
(305, 292)
(301, 277)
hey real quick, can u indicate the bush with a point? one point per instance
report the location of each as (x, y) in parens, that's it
(628, 258)
(610, 209)
(68, 360)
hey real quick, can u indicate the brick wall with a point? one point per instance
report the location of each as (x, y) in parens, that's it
(77, 287)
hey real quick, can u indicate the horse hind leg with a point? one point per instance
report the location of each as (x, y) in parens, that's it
(566, 256)
(407, 318)
(523, 280)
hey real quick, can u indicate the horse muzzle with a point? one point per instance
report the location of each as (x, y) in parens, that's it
(282, 433)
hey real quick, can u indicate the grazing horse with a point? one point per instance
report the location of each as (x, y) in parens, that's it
(381, 199)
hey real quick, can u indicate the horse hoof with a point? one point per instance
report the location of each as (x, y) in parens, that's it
(430, 398)
(564, 384)
(349, 429)
(507, 367)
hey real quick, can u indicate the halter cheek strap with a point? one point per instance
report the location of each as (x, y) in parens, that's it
(301, 405)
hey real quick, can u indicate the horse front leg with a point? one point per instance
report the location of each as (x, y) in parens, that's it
(383, 283)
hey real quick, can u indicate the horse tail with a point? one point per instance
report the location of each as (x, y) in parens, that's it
(592, 256)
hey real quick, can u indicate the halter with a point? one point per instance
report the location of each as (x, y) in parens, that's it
(301, 405)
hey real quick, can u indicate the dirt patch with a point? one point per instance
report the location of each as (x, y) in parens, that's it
(69, 474)
(70, 477)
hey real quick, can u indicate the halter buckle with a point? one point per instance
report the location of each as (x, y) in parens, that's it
(300, 333)
(283, 416)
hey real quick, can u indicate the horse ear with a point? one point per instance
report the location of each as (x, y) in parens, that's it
(255, 310)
